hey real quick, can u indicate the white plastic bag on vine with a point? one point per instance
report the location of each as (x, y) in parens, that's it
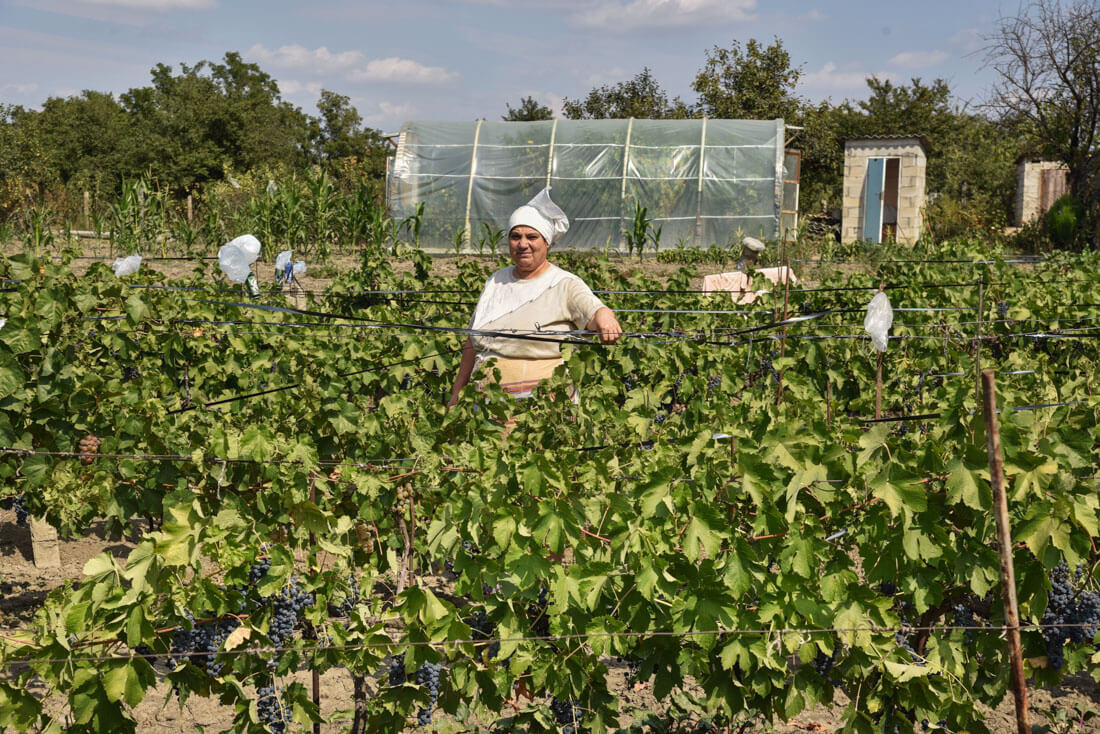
(126, 265)
(236, 256)
(248, 244)
(879, 319)
(281, 260)
(234, 263)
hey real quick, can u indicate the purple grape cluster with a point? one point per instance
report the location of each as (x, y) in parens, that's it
(537, 614)
(200, 643)
(269, 706)
(17, 503)
(482, 628)
(566, 714)
(1070, 616)
(428, 675)
(286, 608)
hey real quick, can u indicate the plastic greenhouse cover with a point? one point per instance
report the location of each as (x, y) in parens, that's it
(702, 181)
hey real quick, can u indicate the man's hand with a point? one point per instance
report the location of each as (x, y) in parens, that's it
(605, 325)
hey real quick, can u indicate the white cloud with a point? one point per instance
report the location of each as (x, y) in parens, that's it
(830, 77)
(395, 110)
(394, 69)
(919, 59)
(319, 60)
(292, 86)
(19, 88)
(607, 76)
(390, 115)
(619, 16)
(352, 65)
(814, 15)
(968, 39)
(155, 5)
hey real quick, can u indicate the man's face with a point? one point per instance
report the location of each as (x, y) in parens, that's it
(528, 249)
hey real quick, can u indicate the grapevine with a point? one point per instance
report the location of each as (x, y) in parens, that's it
(672, 523)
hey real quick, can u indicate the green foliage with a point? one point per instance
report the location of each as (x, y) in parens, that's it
(670, 533)
(641, 233)
(756, 83)
(350, 151)
(1047, 91)
(1064, 219)
(186, 129)
(529, 110)
(640, 97)
(213, 115)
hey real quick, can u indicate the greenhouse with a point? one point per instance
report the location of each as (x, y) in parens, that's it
(702, 182)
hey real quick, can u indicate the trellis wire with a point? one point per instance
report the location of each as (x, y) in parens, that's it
(722, 631)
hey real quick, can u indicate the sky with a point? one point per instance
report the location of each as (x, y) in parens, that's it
(470, 59)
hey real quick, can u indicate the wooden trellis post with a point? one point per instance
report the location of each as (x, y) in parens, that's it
(45, 548)
(1004, 541)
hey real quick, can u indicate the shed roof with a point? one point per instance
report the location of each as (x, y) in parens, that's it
(919, 138)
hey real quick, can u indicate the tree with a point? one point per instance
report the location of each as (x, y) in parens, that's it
(1047, 62)
(209, 116)
(529, 110)
(339, 132)
(641, 97)
(24, 172)
(755, 84)
(89, 139)
(969, 161)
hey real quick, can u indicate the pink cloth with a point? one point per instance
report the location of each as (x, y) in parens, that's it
(740, 283)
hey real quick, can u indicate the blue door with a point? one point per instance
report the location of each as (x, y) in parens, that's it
(872, 201)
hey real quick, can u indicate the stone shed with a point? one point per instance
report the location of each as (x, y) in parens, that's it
(1039, 183)
(883, 188)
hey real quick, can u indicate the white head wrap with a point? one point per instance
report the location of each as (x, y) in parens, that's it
(543, 215)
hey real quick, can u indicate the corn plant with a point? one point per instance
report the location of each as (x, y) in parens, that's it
(411, 225)
(489, 239)
(641, 232)
(137, 215)
(184, 234)
(7, 230)
(356, 213)
(213, 229)
(322, 211)
(289, 217)
(378, 224)
(261, 216)
(37, 234)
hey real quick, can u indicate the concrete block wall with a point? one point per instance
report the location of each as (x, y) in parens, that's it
(911, 189)
(1029, 183)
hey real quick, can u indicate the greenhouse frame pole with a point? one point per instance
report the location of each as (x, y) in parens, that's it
(780, 153)
(699, 190)
(470, 188)
(622, 190)
(550, 157)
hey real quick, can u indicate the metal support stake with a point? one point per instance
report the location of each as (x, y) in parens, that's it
(1004, 540)
(878, 387)
(978, 341)
(316, 677)
(786, 271)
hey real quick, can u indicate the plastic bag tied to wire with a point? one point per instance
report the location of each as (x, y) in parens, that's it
(285, 268)
(879, 319)
(236, 257)
(126, 265)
